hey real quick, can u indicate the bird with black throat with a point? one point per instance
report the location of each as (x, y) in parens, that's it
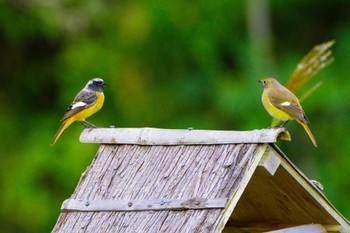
(283, 105)
(86, 103)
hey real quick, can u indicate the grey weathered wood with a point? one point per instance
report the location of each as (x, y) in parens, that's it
(269, 227)
(134, 172)
(311, 228)
(153, 136)
(270, 162)
(143, 205)
(156, 164)
(287, 197)
(313, 191)
(234, 199)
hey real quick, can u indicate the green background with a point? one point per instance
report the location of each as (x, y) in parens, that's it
(168, 64)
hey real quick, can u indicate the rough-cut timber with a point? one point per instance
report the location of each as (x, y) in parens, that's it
(154, 180)
(132, 172)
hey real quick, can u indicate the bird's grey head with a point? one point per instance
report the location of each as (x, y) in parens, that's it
(96, 84)
(268, 82)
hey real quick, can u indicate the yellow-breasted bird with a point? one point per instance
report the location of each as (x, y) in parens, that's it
(88, 101)
(283, 105)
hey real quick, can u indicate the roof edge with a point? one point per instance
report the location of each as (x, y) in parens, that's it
(156, 136)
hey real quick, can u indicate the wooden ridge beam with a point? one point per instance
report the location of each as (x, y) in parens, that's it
(154, 136)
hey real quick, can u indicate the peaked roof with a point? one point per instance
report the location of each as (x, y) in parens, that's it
(158, 180)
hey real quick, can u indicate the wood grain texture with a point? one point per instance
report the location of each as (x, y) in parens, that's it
(311, 228)
(262, 190)
(127, 172)
(154, 136)
(286, 198)
(142, 205)
(271, 162)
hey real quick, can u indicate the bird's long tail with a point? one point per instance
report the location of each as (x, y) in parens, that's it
(308, 131)
(64, 125)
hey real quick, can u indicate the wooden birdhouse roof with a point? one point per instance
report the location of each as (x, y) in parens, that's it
(160, 180)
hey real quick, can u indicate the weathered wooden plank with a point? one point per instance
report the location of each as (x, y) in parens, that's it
(315, 193)
(287, 197)
(311, 228)
(143, 205)
(281, 228)
(180, 172)
(270, 162)
(134, 172)
(153, 136)
(244, 180)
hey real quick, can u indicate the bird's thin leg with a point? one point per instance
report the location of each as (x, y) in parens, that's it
(87, 124)
(284, 123)
(82, 122)
(90, 124)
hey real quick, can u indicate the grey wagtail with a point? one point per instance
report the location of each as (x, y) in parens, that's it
(283, 105)
(88, 101)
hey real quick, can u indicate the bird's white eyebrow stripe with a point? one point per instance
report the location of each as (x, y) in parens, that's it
(286, 103)
(78, 104)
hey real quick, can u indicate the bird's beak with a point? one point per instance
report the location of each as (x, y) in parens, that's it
(260, 81)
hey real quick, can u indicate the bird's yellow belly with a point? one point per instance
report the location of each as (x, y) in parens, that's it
(81, 116)
(273, 111)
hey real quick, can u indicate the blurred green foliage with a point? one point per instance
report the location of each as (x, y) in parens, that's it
(170, 64)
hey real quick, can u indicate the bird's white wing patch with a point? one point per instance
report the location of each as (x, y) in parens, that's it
(286, 103)
(78, 105)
